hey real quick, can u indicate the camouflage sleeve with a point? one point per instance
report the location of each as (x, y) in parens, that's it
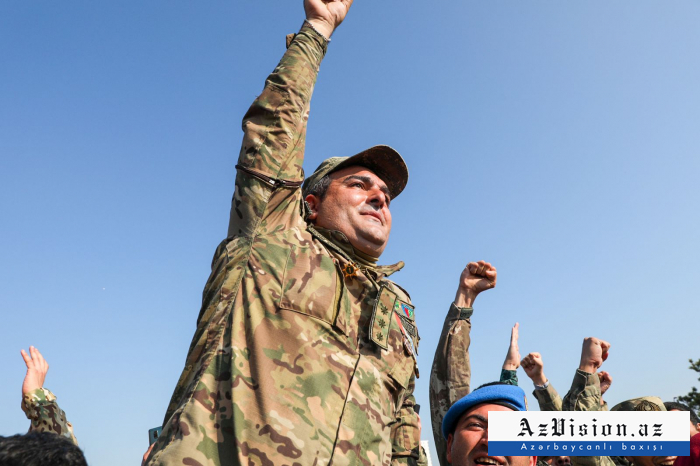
(584, 395)
(451, 373)
(405, 434)
(509, 377)
(42, 410)
(548, 398)
(267, 192)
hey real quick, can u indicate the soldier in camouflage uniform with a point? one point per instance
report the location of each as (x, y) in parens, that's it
(305, 351)
(451, 372)
(38, 403)
(585, 395)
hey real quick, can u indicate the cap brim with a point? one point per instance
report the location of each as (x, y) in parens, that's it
(385, 162)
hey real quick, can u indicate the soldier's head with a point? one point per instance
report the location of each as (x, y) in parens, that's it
(558, 460)
(645, 403)
(352, 195)
(40, 449)
(694, 420)
(466, 426)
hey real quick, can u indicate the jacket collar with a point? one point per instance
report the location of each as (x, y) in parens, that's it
(341, 244)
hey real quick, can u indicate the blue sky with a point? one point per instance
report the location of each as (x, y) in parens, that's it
(558, 140)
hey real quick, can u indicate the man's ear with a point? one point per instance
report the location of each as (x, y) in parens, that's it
(450, 438)
(312, 205)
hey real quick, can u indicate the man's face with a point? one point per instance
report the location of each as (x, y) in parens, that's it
(652, 460)
(356, 204)
(559, 460)
(469, 444)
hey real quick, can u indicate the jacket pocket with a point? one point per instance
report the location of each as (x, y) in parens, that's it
(311, 285)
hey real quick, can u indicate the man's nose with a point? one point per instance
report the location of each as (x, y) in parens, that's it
(377, 198)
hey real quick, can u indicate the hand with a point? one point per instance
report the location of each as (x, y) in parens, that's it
(476, 277)
(534, 368)
(593, 353)
(37, 367)
(326, 15)
(145, 455)
(512, 361)
(605, 381)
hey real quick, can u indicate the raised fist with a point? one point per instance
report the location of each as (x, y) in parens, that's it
(476, 277)
(593, 353)
(326, 15)
(605, 381)
(534, 368)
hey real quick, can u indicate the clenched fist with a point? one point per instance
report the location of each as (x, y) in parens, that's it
(534, 368)
(605, 381)
(593, 353)
(326, 15)
(476, 277)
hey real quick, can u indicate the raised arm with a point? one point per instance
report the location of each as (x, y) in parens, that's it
(512, 361)
(267, 193)
(38, 403)
(585, 394)
(451, 373)
(547, 396)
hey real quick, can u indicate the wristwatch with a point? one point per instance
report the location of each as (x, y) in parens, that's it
(542, 387)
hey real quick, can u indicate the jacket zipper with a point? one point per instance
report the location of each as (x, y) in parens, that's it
(271, 181)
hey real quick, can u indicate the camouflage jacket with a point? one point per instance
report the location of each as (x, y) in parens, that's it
(585, 395)
(548, 398)
(303, 353)
(451, 372)
(42, 410)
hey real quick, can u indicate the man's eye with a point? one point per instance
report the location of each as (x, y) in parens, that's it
(358, 184)
(475, 426)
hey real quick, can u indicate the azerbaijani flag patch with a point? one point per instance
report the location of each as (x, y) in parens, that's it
(405, 309)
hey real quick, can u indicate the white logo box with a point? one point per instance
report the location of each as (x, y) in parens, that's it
(589, 433)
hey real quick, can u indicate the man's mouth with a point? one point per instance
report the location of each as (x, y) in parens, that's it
(487, 460)
(664, 460)
(376, 215)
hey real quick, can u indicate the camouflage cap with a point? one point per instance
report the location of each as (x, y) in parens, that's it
(384, 161)
(645, 403)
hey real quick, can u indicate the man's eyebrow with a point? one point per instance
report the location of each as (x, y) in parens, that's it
(368, 180)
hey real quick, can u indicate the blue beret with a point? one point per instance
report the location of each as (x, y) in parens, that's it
(510, 396)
